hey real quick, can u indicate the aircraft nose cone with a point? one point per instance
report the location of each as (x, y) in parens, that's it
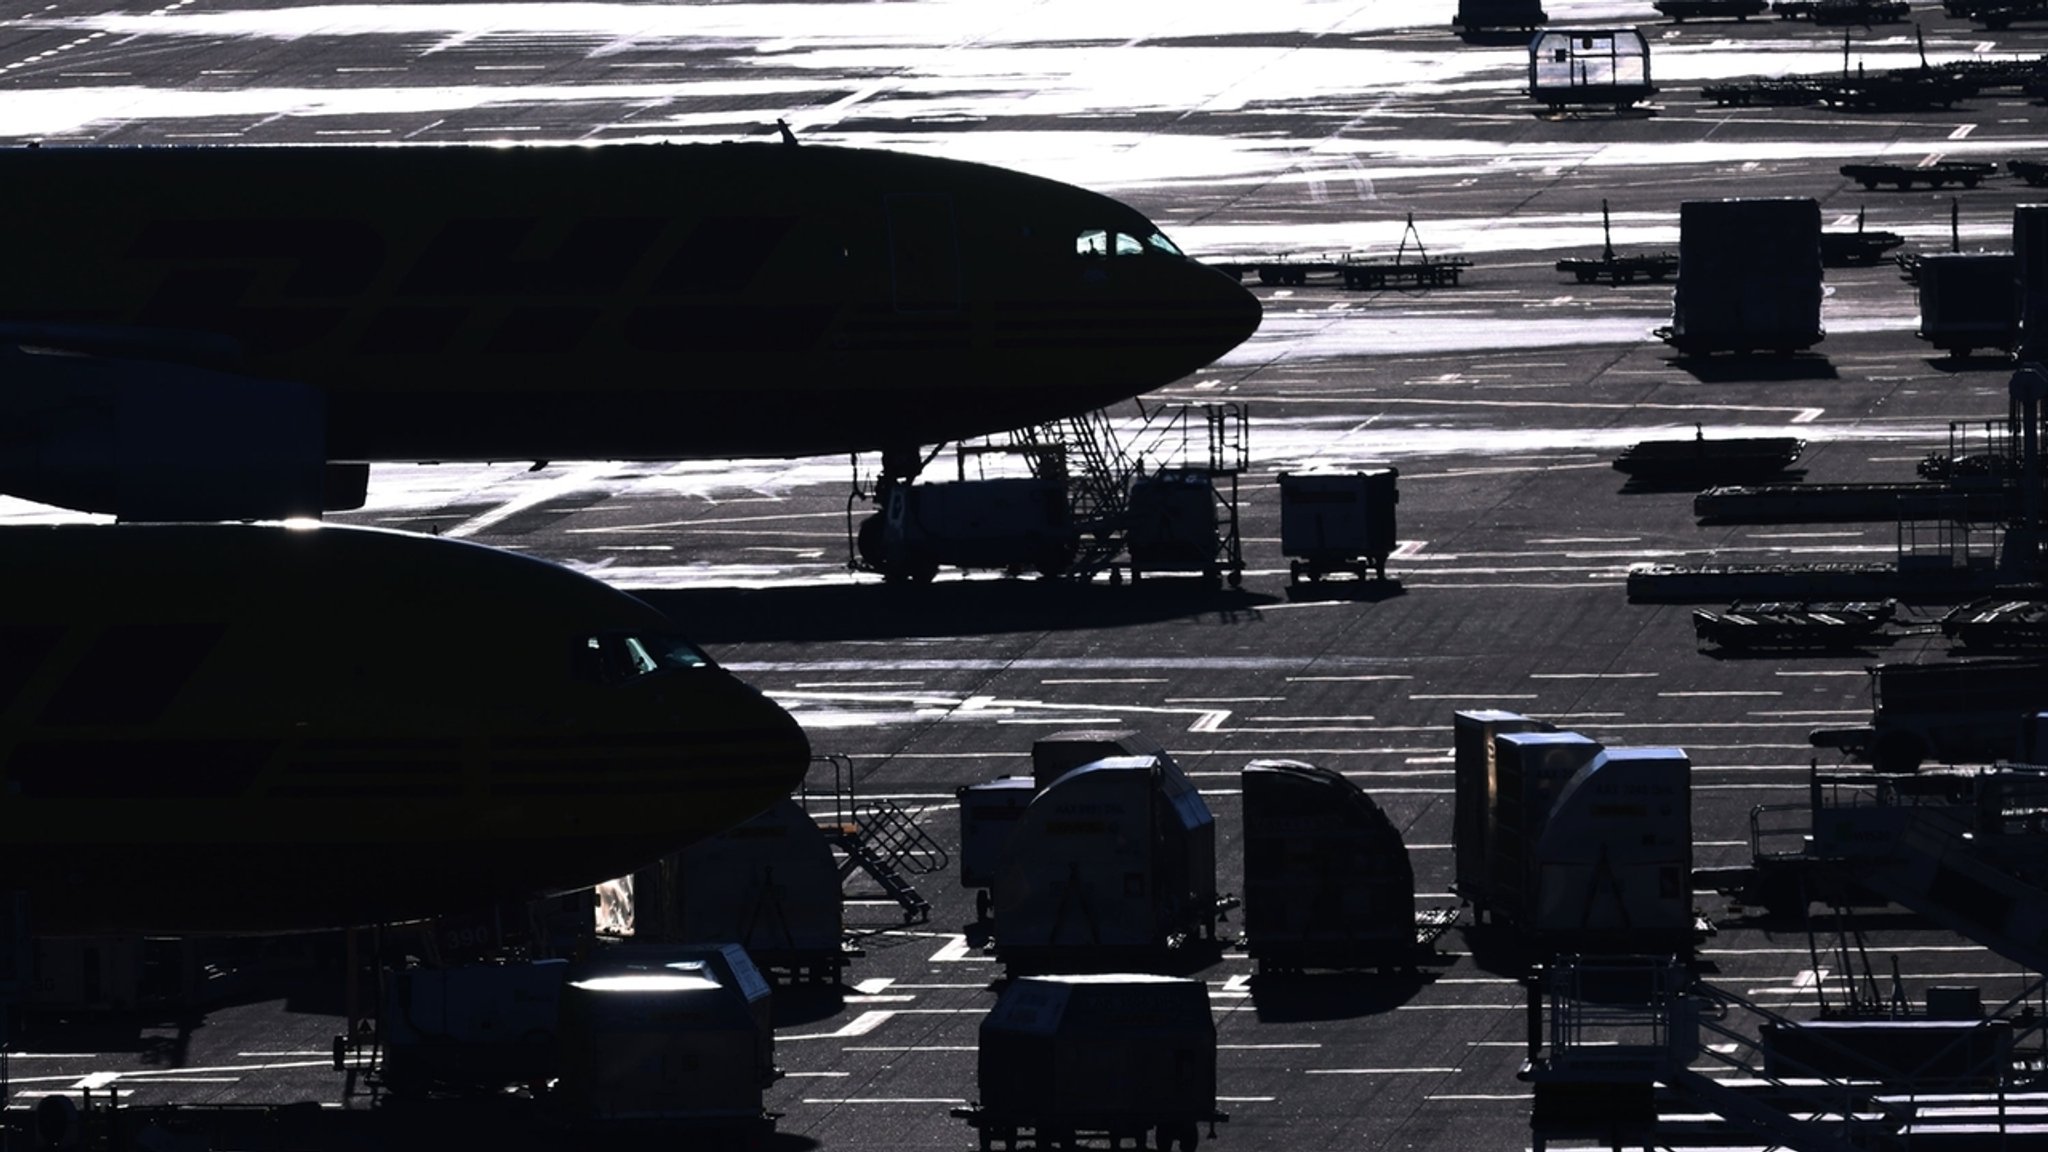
(1238, 312)
(775, 754)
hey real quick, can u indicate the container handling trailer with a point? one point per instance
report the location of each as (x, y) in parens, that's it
(1337, 522)
(1749, 277)
(1955, 711)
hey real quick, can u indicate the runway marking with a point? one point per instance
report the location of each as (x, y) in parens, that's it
(1727, 692)
(1263, 1047)
(1593, 675)
(857, 999)
(806, 1075)
(1587, 540)
(1472, 696)
(860, 1025)
(1344, 679)
(1109, 680)
(875, 985)
(914, 1048)
(955, 952)
(1962, 130)
(1226, 700)
(884, 1100)
(1481, 1096)
(1378, 1071)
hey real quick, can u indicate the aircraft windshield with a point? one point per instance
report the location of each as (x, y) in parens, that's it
(613, 658)
(1102, 242)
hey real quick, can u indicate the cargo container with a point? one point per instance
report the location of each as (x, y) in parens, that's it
(1953, 1053)
(1969, 300)
(1575, 67)
(1532, 768)
(771, 885)
(1112, 866)
(1476, 785)
(662, 1036)
(1749, 277)
(470, 1028)
(989, 812)
(1613, 864)
(1336, 522)
(1056, 755)
(1327, 882)
(2030, 263)
(1012, 523)
(1172, 524)
(1065, 1058)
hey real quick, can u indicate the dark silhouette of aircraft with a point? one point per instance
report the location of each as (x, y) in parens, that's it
(198, 333)
(257, 728)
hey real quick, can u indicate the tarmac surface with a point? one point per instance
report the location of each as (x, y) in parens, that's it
(1244, 130)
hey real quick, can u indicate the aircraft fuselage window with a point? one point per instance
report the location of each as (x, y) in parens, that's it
(1161, 243)
(1093, 242)
(614, 658)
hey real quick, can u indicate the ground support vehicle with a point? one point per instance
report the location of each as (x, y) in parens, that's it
(1683, 10)
(1488, 15)
(1698, 460)
(1620, 269)
(1865, 12)
(2000, 621)
(1953, 711)
(1339, 522)
(1940, 174)
(1854, 249)
(1968, 300)
(1793, 626)
(2034, 172)
(1372, 274)
(1012, 524)
(1996, 14)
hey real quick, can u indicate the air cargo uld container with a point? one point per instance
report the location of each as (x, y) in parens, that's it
(1484, 15)
(1333, 522)
(1015, 523)
(1327, 882)
(1055, 755)
(476, 1027)
(1614, 862)
(1172, 523)
(667, 1035)
(1532, 768)
(1077, 1057)
(2030, 256)
(989, 812)
(770, 885)
(1749, 277)
(1969, 300)
(1477, 785)
(1112, 866)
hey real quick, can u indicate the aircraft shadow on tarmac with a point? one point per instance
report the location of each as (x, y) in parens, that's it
(806, 1003)
(946, 608)
(1741, 369)
(1332, 995)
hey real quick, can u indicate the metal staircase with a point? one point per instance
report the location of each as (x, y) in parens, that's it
(1620, 1030)
(1098, 467)
(878, 837)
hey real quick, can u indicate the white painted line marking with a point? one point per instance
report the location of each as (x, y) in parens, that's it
(1263, 1047)
(1961, 131)
(913, 1048)
(1378, 1071)
(955, 952)
(1482, 1096)
(884, 1100)
(1592, 675)
(860, 1025)
(1246, 1099)
(1472, 696)
(808, 1075)
(874, 985)
(1343, 679)
(1110, 680)
(1730, 692)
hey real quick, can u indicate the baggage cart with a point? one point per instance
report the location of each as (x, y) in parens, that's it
(1337, 522)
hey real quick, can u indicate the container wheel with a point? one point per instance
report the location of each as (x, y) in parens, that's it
(1869, 183)
(1969, 181)
(1237, 577)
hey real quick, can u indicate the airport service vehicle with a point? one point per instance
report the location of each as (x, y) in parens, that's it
(1940, 174)
(1683, 10)
(1792, 626)
(1699, 460)
(1487, 15)
(1955, 711)
(1015, 524)
(1582, 67)
(261, 728)
(202, 333)
(1749, 277)
(1842, 11)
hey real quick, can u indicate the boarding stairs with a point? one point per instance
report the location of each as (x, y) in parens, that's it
(1099, 464)
(1968, 852)
(878, 837)
(1619, 1028)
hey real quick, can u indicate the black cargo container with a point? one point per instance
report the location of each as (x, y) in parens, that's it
(1327, 882)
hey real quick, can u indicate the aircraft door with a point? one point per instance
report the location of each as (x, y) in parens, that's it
(924, 252)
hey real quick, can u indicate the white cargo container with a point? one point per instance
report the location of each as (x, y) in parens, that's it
(655, 1035)
(1117, 1056)
(771, 885)
(989, 813)
(1056, 755)
(1969, 300)
(1476, 774)
(1614, 861)
(1173, 523)
(1112, 866)
(1532, 769)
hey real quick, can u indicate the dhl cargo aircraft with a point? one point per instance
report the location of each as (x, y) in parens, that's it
(256, 728)
(198, 333)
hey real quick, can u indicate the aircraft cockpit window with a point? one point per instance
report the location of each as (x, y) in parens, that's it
(1099, 242)
(1162, 244)
(614, 658)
